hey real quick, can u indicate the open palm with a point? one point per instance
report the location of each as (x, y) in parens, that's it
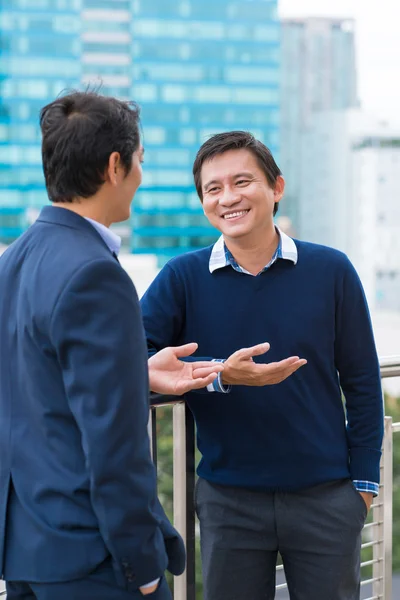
(170, 375)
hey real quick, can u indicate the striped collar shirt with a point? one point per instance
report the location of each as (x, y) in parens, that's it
(221, 257)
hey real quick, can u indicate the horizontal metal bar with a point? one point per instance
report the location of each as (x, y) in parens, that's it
(368, 581)
(396, 427)
(371, 544)
(370, 525)
(368, 563)
(390, 366)
(279, 568)
(374, 598)
(390, 372)
(160, 400)
(282, 586)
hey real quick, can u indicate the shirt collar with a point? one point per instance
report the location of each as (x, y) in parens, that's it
(112, 240)
(219, 257)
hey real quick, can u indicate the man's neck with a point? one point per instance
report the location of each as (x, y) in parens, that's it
(254, 253)
(87, 209)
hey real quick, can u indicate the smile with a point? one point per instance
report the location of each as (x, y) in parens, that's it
(236, 215)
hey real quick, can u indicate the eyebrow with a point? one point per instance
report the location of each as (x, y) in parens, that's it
(209, 183)
(246, 174)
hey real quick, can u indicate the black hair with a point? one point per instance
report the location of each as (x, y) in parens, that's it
(80, 131)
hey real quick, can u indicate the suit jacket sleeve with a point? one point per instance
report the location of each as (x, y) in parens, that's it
(97, 333)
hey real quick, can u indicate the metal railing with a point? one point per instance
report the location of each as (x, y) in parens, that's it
(377, 533)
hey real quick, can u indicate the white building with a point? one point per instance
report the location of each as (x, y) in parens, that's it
(350, 197)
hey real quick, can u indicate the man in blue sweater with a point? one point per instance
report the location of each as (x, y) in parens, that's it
(285, 467)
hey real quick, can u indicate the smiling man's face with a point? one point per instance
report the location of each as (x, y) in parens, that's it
(237, 197)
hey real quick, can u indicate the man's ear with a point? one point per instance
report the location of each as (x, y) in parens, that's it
(279, 188)
(112, 169)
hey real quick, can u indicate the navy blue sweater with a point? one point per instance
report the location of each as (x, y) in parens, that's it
(294, 434)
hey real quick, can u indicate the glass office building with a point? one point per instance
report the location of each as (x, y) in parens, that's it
(198, 68)
(107, 46)
(40, 56)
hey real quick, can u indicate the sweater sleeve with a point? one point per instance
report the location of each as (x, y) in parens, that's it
(164, 310)
(357, 363)
(164, 314)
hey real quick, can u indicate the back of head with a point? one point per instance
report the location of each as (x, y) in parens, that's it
(80, 131)
(236, 140)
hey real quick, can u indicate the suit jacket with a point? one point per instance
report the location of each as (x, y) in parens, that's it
(77, 483)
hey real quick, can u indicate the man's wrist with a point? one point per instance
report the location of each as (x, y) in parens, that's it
(365, 486)
(148, 585)
(218, 385)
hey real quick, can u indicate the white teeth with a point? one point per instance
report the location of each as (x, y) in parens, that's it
(236, 214)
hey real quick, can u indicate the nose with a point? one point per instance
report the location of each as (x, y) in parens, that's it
(230, 197)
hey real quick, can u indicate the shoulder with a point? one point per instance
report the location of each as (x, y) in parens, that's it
(190, 263)
(94, 281)
(320, 255)
(196, 257)
(98, 271)
(180, 272)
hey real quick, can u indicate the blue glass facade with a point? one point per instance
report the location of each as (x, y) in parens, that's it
(107, 46)
(40, 56)
(198, 68)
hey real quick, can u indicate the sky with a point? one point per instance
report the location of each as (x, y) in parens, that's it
(377, 46)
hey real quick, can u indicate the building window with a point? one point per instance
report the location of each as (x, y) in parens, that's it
(145, 92)
(188, 136)
(154, 135)
(251, 75)
(174, 93)
(168, 72)
(212, 93)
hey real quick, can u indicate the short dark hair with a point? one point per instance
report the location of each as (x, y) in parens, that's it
(80, 131)
(236, 140)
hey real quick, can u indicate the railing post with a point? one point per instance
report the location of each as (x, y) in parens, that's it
(184, 517)
(190, 509)
(388, 508)
(152, 431)
(378, 551)
(382, 515)
(179, 453)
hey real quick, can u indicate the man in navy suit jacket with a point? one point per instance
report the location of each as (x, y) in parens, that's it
(79, 514)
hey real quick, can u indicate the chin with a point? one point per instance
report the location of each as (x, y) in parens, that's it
(122, 216)
(235, 232)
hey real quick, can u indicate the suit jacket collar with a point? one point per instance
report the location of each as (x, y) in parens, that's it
(67, 218)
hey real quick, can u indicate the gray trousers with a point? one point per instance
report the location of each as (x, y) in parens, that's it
(317, 532)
